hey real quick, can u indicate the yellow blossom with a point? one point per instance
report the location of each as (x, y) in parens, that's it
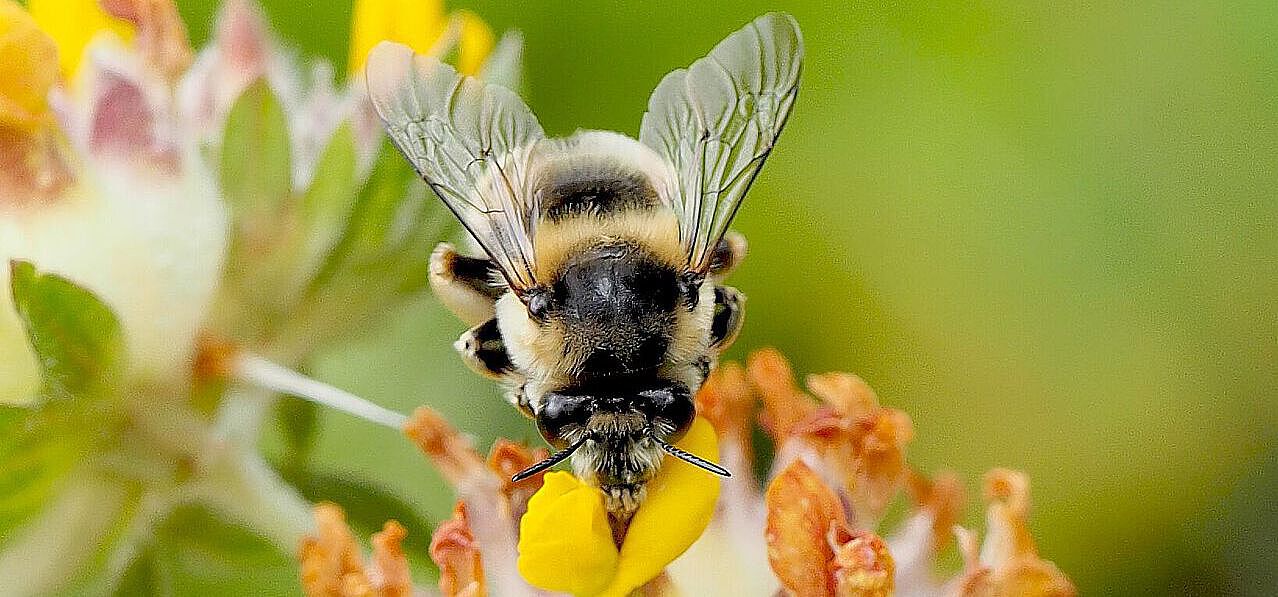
(566, 543)
(73, 24)
(422, 26)
(24, 77)
(474, 41)
(414, 23)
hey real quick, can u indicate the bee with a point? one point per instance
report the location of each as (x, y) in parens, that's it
(599, 299)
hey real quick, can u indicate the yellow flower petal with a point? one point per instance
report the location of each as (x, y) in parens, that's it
(565, 543)
(475, 43)
(73, 24)
(414, 23)
(678, 508)
(26, 57)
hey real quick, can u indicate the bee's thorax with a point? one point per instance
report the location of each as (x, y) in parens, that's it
(615, 304)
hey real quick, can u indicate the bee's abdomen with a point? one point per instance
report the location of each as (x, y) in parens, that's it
(577, 193)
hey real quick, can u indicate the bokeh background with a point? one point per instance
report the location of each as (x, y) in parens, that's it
(1047, 230)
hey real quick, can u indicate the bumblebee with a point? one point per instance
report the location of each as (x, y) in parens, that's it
(599, 299)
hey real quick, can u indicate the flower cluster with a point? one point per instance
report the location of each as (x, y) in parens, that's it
(811, 530)
(180, 229)
(227, 192)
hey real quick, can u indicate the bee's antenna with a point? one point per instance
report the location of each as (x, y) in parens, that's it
(554, 459)
(692, 459)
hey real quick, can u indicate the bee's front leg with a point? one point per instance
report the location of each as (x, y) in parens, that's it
(729, 315)
(468, 286)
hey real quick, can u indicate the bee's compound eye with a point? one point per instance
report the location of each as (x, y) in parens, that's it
(669, 409)
(561, 414)
(538, 303)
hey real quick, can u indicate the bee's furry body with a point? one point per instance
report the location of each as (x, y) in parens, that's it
(599, 301)
(607, 239)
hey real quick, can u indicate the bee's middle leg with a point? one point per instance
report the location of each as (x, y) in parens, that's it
(484, 351)
(466, 285)
(729, 315)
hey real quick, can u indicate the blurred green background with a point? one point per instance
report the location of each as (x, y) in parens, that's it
(1046, 230)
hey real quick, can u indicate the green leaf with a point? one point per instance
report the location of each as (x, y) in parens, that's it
(256, 179)
(76, 337)
(256, 172)
(196, 553)
(33, 460)
(382, 256)
(79, 344)
(322, 212)
(328, 201)
(388, 187)
(143, 577)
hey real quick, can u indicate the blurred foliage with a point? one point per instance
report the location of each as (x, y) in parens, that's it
(196, 553)
(1046, 230)
(36, 457)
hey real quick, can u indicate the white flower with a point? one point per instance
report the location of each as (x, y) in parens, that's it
(177, 231)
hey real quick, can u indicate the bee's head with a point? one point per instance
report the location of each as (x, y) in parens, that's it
(621, 407)
(614, 308)
(630, 421)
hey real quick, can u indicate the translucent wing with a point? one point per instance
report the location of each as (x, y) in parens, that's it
(716, 122)
(469, 141)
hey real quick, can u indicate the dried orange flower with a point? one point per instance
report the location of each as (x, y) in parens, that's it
(333, 567)
(802, 512)
(488, 512)
(814, 532)
(1007, 563)
(863, 565)
(453, 548)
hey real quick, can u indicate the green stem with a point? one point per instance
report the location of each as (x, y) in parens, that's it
(237, 483)
(242, 414)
